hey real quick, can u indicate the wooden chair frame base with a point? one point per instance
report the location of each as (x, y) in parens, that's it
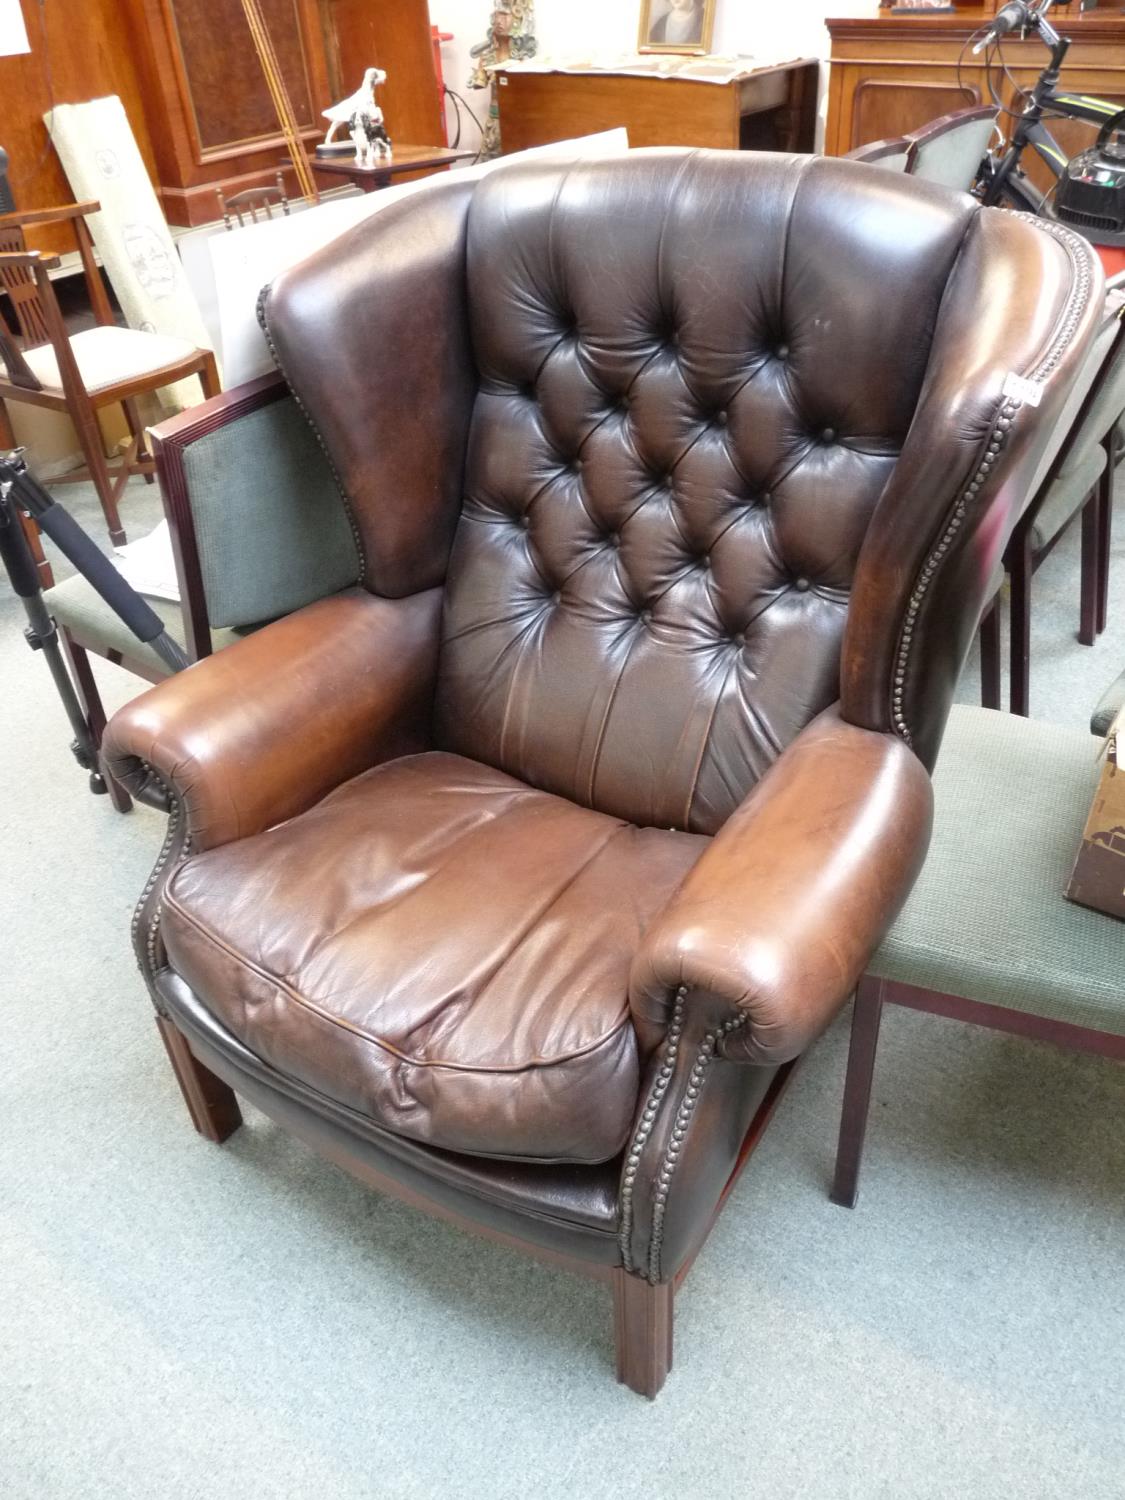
(643, 1313)
(871, 996)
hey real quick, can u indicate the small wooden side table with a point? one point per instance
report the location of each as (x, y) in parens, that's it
(405, 159)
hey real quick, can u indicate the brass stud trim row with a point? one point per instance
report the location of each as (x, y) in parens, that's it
(645, 1126)
(703, 1060)
(145, 937)
(1072, 316)
(995, 442)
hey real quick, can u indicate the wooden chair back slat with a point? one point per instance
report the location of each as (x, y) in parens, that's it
(23, 293)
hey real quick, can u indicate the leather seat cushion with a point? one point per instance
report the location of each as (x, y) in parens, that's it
(440, 947)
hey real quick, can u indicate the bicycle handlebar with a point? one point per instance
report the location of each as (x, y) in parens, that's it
(1015, 16)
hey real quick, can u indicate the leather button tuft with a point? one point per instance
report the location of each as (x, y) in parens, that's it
(524, 521)
(783, 351)
(646, 616)
(828, 435)
(614, 539)
(767, 497)
(802, 585)
(722, 418)
(556, 597)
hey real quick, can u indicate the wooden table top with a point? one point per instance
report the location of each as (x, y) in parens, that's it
(403, 159)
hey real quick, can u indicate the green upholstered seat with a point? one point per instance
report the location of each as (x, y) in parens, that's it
(76, 605)
(987, 919)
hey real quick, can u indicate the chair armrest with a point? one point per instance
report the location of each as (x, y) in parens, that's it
(262, 730)
(21, 218)
(777, 920)
(28, 259)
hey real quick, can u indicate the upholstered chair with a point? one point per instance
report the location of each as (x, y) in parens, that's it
(515, 878)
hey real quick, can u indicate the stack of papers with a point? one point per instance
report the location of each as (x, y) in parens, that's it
(148, 565)
(705, 69)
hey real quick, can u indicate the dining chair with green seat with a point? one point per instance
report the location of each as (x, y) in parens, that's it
(258, 529)
(1078, 483)
(987, 935)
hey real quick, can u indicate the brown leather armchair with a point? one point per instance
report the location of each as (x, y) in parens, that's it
(514, 879)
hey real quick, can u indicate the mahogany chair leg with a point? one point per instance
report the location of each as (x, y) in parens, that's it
(1090, 570)
(866, 1017)
(1105, 533)
(7, 436)
(141, 461)
(990, 657)
(643, 1316)
(1019, 626)
(90, 437)
(209, 377)
(211, 1103)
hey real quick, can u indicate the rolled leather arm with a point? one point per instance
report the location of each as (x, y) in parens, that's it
(265, 728)
(779, 917)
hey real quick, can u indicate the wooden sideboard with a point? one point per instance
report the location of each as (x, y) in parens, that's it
(771, 109)
(890, 74)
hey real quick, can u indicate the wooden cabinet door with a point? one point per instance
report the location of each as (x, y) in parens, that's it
(888, 106)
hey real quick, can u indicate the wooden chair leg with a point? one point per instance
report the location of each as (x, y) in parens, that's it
(866, 1017)
(211, 1103)
(1090, 571)
(7, 436)
(91, 700)
(1105, 536)
(85, 422)
(209, 377)
(35, 542)
(990, 657)
(642, 1316)
(142, 458)
(1019, 627)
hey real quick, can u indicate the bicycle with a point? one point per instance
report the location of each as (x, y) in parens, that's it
(1001, 179)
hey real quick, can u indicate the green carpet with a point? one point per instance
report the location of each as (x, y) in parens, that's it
(179, 1320)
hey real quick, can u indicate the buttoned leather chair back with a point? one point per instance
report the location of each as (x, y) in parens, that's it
(646, 467)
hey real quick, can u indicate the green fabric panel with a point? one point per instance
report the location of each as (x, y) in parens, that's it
(1108, 707)
(272, 530)
(953, 159)
(1109, 403)
(987, 919)
(1066, 495)
(74, 603)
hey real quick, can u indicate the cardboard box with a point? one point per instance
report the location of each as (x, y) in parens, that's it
(1098, 877)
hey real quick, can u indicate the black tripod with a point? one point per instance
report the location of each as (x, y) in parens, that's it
(18, 489)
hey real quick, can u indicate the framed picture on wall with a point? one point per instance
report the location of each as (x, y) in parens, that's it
(676, 25)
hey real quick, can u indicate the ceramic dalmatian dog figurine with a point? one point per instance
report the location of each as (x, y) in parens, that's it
(370, 138)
